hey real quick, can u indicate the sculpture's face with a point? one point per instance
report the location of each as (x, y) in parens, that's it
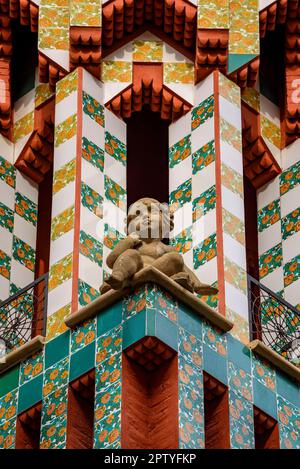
(148, 218)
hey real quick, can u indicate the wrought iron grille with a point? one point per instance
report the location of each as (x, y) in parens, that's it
(274, 321)
(23, 315)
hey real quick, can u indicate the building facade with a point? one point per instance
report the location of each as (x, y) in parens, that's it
(196, 104)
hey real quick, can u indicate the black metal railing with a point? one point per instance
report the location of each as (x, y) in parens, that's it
(274, 321)
(24, 314)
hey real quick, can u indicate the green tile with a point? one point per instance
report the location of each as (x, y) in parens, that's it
(57, 349)
(134, 329)
(82, 361)
(214, 364)
(166, 331)
(264, 399)
(30, 393)
(9, 380)
(288, 388)
(109, 318)
(189, 321)
(150, 324)
(238, 353)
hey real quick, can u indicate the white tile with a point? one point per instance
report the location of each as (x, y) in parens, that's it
(236, 300)
(92, 86)
(188, 259)
(63, 199)
(234, 250)
(171, 55)
(204, 89)
(24, 105)
(203, 134)
(59, 297)
(183, 218)
(291, 247)
(292, 293)
(264, 3)
(290, 154)
(66, 108)
(27, 187)
(7, 149)
(232, 202)
(90, 272)
(204, 227)
(6, 240)
(112, 89)
(115, 126)
(180, 173)
(290, 201)
(91, 224)
(7, 195)
(269, 110)
(114, 216)
(122, 54)
(60, 57)
(208, 272)
(186, 92)
(115, 170)
(19, 146)
(20, 275)
(64, 153)
(274, 280)
(92, 131)
(25, 231)
(61, 247)
(276, 152)
(268, 238)
(268, 193)
(231, 157)
(180, 129)
(92, 177)
(4, 288)
(106, 252)
(230, 112)
(204, 179)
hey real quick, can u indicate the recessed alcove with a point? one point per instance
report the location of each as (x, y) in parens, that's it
(147, 156)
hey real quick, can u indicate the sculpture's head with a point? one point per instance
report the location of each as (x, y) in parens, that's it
(150, 219)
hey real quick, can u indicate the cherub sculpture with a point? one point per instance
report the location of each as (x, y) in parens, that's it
(148, 222)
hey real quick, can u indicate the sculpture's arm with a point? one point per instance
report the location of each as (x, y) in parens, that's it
(127, 243)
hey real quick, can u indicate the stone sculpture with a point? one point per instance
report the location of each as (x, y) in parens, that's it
(147, 223)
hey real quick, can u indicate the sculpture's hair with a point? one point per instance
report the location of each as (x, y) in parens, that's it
(168, 214)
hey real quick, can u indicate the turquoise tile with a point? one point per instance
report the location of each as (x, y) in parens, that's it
(166, 331)
(82, 361)
(189, 321)
(134, 329)
(288, 388)
(30, 393)
(264, 399)
(109, 318)
(238, 353)
(214, 364)
(57, 349)
(9, 381)
(151, 321)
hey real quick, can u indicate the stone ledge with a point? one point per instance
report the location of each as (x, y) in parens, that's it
(24, 351)
(153, 275)
(275, 359)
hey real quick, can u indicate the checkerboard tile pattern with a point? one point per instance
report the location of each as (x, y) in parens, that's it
(206, 185)
(89, 194)
(177, 70)
(18, 223)
(278, 229)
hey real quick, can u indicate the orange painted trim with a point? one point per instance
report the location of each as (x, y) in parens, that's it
(75, 274)
(220, 250)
